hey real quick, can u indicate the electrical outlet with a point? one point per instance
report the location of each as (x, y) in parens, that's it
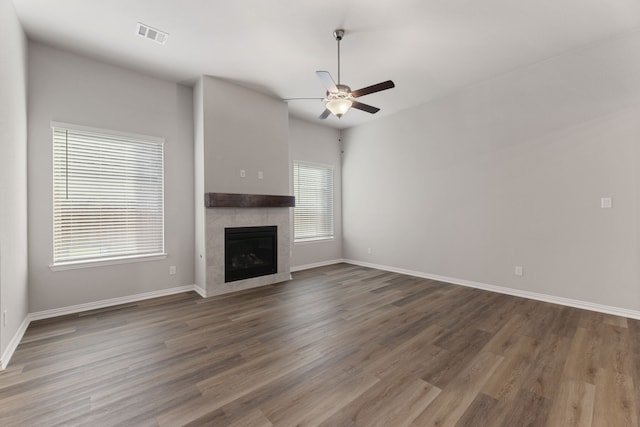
(243, 173)
(368, 250)
(260, 175)
(172, 270)
(518, 270)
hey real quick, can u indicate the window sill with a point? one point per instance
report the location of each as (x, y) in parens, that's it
(75, 265)
(315, 240)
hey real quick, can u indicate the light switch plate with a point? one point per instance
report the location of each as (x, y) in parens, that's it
(605, 203)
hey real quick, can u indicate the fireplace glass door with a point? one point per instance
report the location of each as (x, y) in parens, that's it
(250, 252)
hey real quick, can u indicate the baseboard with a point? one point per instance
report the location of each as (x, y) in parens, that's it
(46, 314)
(13, 344)
(585, 305)
(200, 291)
(316, 265)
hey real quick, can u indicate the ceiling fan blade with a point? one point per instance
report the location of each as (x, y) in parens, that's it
(364, 107)
(372, 89)
(327, 81)
(324, 114)
(301, 99)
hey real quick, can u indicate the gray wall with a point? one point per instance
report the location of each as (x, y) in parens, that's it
(69, 88)
(510, 172)
(13, 173)
(244, 129)
(235, 129)
(314, 143)
(200, 210)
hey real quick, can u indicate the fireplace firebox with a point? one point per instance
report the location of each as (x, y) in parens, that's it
(250, 252)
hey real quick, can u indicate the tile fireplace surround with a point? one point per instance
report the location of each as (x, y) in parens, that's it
(249, 211)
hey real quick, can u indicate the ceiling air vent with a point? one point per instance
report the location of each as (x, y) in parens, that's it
(151, 33)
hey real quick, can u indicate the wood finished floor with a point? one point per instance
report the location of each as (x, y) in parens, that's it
(337, 346)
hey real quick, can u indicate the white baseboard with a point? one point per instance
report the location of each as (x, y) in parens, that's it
(585, 305)
(46, 314)
(13, 344)
(315, 265)
(200, 291)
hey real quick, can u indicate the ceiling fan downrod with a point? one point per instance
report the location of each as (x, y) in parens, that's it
(338, 35)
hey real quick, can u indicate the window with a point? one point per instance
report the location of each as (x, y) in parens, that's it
(313, 189)
(108, 196)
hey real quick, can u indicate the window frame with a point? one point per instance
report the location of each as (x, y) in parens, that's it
(117, 258)
(317, 239)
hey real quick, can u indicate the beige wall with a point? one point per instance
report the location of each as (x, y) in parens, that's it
(13, 174)
(510, 172)
(69, 88)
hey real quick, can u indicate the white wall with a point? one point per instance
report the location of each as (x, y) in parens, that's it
(314, 143)
(69, 88)
(13, 174)
(510, 172)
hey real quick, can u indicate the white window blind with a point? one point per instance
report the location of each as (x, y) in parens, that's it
(313, 190)
(108, 195)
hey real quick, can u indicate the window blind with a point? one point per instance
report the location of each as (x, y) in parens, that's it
(108, 196)
(313, 190)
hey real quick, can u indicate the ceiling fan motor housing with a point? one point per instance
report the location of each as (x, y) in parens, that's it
(344, 91)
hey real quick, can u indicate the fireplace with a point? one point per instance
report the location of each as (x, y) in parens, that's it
(250, 252)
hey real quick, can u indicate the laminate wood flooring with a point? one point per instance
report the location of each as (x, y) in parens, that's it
(337, 346)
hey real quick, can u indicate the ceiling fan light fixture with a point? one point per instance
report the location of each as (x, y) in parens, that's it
(339, 107)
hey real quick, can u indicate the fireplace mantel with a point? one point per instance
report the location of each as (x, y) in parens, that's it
(232, 200)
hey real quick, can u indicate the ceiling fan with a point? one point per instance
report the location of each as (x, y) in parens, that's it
(340, 98)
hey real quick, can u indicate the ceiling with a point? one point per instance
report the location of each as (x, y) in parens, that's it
(429, 48)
